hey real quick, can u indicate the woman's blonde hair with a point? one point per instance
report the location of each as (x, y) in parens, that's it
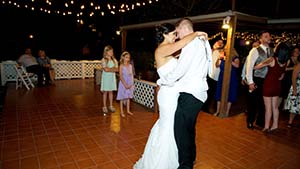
(123, 56)
(105, 50)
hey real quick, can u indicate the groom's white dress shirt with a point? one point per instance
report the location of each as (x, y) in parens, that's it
(194, 63)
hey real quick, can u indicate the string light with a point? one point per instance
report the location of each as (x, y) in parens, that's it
(291, 38)
(112, 8)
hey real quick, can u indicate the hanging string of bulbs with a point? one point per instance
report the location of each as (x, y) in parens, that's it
(291, 38)
(77, 7)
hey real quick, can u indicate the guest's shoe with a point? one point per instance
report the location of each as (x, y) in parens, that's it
(130, 113)
(273, 129)
(216, 114)
(105, 111)
(111, 108)
(265, 130)
(250, 126)
(289, 125)
(122, 114)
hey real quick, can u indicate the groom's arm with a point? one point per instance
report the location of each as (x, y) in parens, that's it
(184, 62)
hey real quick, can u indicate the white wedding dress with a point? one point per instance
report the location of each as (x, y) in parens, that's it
(161, 150)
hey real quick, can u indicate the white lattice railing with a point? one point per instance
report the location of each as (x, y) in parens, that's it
(63, 69)
(144, 93)
(8, 72)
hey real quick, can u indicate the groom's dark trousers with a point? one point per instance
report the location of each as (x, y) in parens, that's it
(184, 129)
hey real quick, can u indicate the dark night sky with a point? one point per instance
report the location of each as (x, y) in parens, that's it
(63, 38)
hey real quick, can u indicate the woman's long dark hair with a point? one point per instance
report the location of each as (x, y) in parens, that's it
(162, 29)
(282, 52)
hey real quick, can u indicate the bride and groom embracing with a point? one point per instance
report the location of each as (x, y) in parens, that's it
(183, 90)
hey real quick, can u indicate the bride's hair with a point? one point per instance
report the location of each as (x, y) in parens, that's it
(162, 29)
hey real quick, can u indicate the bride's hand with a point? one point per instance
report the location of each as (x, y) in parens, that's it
(201, 34)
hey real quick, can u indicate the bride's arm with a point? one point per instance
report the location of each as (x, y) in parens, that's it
(169, 49)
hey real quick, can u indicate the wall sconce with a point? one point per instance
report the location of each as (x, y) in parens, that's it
(226, 22)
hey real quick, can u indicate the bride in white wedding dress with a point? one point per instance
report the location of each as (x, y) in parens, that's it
(161, 150)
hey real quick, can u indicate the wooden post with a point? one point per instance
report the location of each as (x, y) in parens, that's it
(233, 5)
(227, 69)
(124, 36)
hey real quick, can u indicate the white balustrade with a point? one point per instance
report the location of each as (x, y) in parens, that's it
(63, 69)
(144, 92)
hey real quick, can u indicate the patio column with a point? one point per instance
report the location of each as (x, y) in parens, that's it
(227, 69)
(124, 36)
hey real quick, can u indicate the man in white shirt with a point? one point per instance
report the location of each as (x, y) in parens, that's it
(255, 80)
(31, 65)
(190, 76)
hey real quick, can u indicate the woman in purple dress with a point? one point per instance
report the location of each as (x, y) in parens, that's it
(126, 84)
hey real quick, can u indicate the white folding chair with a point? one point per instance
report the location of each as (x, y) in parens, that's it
(23, 77)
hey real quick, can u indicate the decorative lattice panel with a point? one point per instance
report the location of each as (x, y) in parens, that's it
(68, 70)
(63, 69)
(89, 67)
(144, 93)
(8, 72)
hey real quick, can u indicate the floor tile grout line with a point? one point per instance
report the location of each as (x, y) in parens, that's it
(52, 149)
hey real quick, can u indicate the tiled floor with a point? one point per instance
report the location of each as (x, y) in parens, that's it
(61, 127)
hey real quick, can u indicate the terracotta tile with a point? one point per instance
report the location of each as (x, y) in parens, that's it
(235, 166)
(115, 155)
(13, 164)
(86, 163)
(69, 166)
(60, 147)
(123, 163)
(100, 158)
(64, 159)
(130, 152)
(48, 160)
(10, 155)
(42, 150)
(69, 131)
(29, 163)
(78, 148)
(108, 165)
(28, 153)
(80, 155)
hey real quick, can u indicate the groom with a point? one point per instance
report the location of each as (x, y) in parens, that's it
(190, 78)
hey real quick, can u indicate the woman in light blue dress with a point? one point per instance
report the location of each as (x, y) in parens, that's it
(108, 80)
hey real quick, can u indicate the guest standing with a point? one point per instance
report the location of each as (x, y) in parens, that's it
(108, 79)
(126, 84)
(287, 79)
(233, 80)
(272, 84)
(255, 80)
(293, 99)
